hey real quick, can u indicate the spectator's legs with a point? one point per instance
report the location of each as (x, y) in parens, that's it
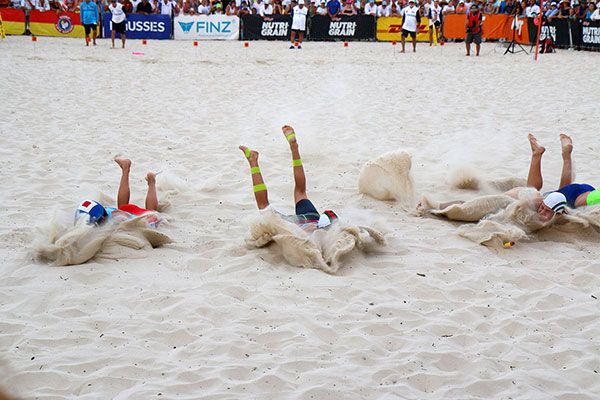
(477, 47)
(566, 176)
(123, 39)
(299, 177)
(403, 42)
(112, 38)
(293, 38)
(123, 194)
(468, 46)
(301, 34)
(260, 190)
(534, 178)
(414, 40)
(151, 197)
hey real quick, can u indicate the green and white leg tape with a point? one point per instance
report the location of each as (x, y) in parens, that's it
(255, 170)
(258, 188)
(247, 153)
(297, 163)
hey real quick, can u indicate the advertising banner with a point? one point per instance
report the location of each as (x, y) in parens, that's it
(13, 21)
(557, 29)
(256, 27)
(195, 27)
(518, 30)
(50, 23)
(495, 26)
(390, 28)
(354, 27)
(140, 26)
(590, 34)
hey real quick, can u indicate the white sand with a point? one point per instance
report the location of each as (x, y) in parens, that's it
(207, 317)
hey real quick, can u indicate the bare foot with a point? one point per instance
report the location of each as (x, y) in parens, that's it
(287, 131)
(252, 158)
(536, 149)
(124, 163)
(567, 144)
(151, 178)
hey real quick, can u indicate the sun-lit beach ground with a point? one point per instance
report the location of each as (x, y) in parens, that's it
(430, 316)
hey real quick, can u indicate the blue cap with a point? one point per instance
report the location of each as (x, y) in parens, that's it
(92, 209)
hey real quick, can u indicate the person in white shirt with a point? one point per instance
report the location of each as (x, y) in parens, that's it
(595, 15)
(258, 4)
(371, 8)
(118, 21)
(265, 9)
(435, 13)
(322, 10)
(42, 5)
(166, 8)
(533, 10)
(410, 22)
(383, 10)
(298, 23)
(204, 8)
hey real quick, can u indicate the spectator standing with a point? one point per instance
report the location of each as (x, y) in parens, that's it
(435, 20)
(244, 9)
(394, 11)
(204, 8)
(410, 22)
(595, 16)
(449, 8)
(533, 10)
(473, 29)
(348, 9)
(266, 9)
(371, 8)
(89, 18)
(322, 9)
(70, 5)
(553, 12)
(461, 8)
(277, 8)
(383, 10)
(118, 21)
(166, 7)
(565, 9)
(27, 5)
(298, 23)
(257, 6)
(127, 6)
(144, 8)
(507, 7)
(590, 10)
(42, 5)
(231, 8)
(333, 9)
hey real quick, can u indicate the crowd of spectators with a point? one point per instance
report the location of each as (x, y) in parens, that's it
(573, 9)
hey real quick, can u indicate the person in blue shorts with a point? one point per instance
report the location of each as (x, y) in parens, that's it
(552, 203)
(307, 217)
(98, 214)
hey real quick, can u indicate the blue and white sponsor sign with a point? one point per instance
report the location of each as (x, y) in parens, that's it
(194, 27)
(140, 26)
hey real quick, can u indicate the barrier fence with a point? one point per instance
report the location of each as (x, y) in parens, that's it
(564, 32)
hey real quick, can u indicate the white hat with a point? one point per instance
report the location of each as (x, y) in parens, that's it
(556, 201)
(300, 1)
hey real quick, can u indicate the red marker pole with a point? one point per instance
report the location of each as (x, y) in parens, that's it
(537, 42)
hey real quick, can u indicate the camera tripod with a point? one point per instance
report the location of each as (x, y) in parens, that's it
(513, 43)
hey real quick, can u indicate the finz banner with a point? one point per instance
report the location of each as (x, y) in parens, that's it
(274, 27)
(390, 28)
(50, 23)
(354, 27)
(13, 21)
(194, 27)
(557, 29)
(140, 26)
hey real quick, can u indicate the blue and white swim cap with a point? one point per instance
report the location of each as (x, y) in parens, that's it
(92, 209)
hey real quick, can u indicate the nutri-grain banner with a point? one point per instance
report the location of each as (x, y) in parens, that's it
(557, 29)
(140, 26)
(355, 27)
(589, 34)
(275, 27)
(194, 27)
(50, 23)
(13, 21)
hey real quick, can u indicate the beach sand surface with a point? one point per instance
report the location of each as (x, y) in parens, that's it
(431, 316)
